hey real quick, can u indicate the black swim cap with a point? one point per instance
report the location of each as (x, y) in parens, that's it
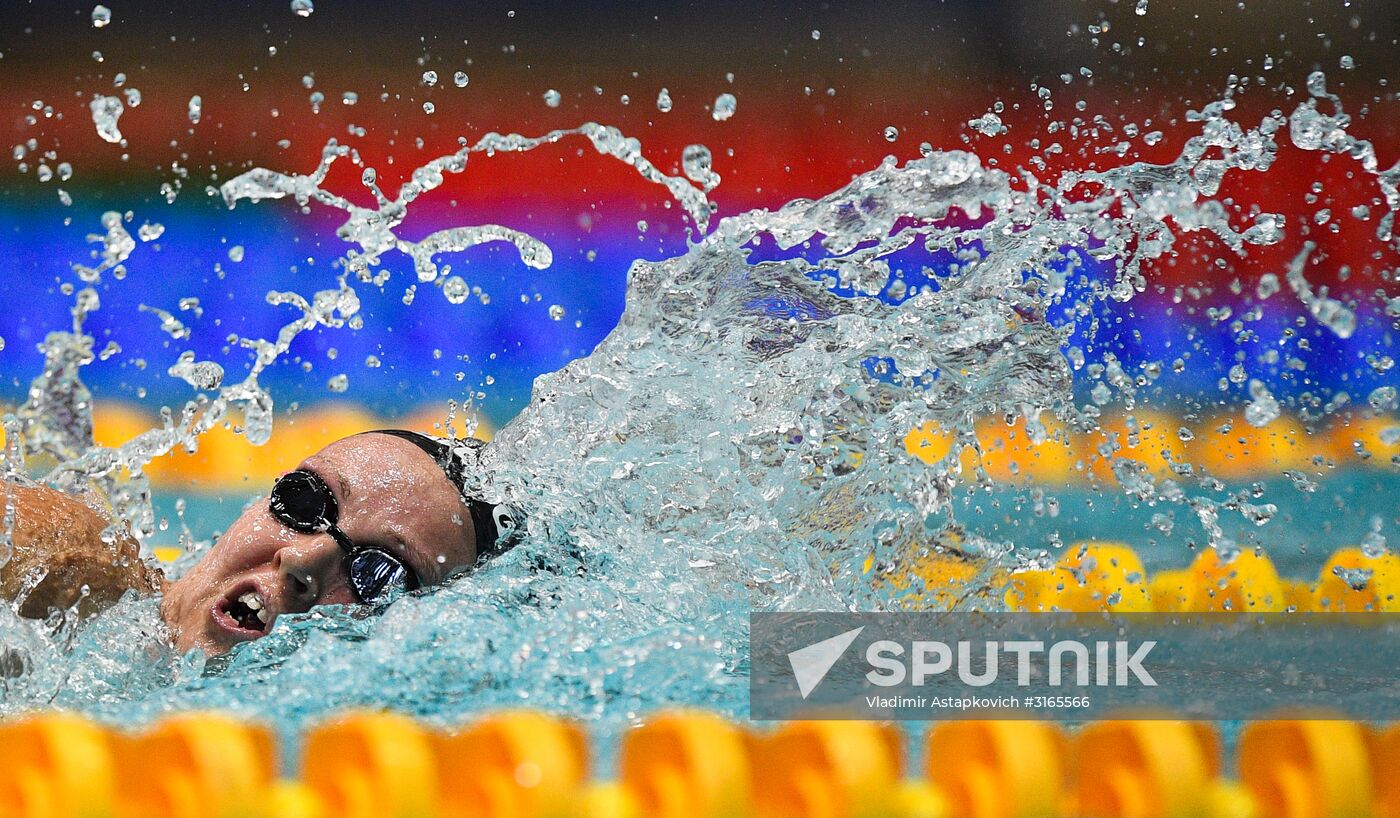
(487, 520)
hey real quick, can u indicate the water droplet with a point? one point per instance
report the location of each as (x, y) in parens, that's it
(455, 289)
(1383, 398)
(556, 312)
(891, 133)
(101, 16)
(303, 8)
(663, 101)
(105, 113)
(1141, 8)
(429, 108)
(65, 171)
(724, 107)
(698, 164)
(1356, 578)
(338, 383)
(1264, 409)
(460, 79)
(1347, 62)
(235, 253)
(551, 98)
(816, 34)
(199, 374)
(196, 109)
(430, 77)
(988, 124)
(349, 98)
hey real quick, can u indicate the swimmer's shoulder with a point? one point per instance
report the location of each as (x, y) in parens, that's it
(58, 557)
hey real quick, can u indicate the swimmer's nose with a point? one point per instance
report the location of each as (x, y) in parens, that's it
(307, 569)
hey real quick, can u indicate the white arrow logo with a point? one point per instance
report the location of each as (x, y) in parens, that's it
(810, 664)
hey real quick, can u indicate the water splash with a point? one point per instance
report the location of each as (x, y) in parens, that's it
(1329, 312)
(373, 228)
(1313, 130)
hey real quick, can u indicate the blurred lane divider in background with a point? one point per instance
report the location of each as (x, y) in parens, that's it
(691, 764)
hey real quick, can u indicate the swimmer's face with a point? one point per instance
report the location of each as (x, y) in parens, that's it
(391, 496)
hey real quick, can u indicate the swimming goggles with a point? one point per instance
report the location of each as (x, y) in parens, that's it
(303, 502)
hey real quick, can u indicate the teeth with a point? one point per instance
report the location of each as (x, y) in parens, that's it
(252, 600)
(262, 615)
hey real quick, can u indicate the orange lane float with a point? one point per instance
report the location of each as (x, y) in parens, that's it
(224, 460)
(56, 765)
(198, 765)
(1132, 769)
(688, 764)
(1147, 438)
(1307, 769)
(998, 769)
(829, 769)
(515, 764)
(372, 765)
(1245, 451)
(1009, 455)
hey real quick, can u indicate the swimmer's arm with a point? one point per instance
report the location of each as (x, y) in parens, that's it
(57, 549)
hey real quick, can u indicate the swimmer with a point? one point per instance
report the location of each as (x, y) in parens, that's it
(368, 516)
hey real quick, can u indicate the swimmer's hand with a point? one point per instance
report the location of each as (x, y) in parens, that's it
(58, 551)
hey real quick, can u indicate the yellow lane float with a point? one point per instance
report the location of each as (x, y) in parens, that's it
(1087, 577)
(1353, 581)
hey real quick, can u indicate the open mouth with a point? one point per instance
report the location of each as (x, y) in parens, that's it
(244, 612)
